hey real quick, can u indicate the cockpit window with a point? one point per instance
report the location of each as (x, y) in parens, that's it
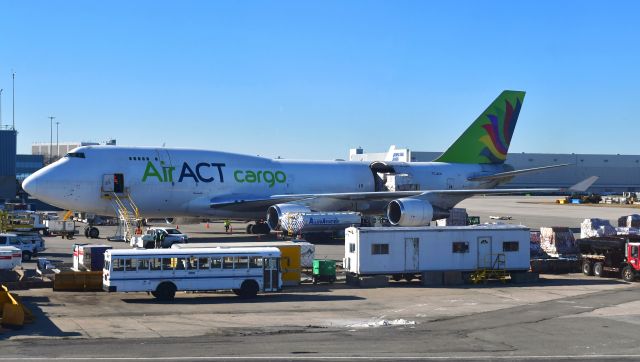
(75, 154)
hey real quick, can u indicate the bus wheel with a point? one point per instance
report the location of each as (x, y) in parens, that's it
(248, 289)
(165, 291)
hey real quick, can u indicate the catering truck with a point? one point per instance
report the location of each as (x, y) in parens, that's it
(409, 252)
(611, 254)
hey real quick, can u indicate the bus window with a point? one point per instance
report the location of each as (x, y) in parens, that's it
(193, 263)
(130, 264)
(155, 263)
(167, 264)
(203, 263)
(227, 262)
(242, 262)
(118, 264)
(255, 262)
(182, 264)
(143, 264)
(216, 263)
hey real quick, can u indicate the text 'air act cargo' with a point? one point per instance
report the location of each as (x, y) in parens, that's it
(410, 251)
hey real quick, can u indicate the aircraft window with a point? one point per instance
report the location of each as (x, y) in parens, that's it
(75, 154)
(129, 158)
(156, 158)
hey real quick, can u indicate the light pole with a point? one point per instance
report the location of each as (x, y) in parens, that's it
(57, 144)
(51, 118)
(13, 99)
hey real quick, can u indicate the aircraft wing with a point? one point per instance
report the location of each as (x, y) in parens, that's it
(511, 174)
(440, 198)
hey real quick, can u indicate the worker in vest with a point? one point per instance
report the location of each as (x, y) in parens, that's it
(227, 225)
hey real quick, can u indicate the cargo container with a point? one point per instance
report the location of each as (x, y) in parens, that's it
(89, 257)
(408, 251)
(63, 228)
(290, 260)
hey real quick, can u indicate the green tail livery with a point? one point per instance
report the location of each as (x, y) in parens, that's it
(487, 139)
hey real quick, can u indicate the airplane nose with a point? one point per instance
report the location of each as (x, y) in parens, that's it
(31, 184)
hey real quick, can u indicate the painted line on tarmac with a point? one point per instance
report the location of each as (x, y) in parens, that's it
(307, 357)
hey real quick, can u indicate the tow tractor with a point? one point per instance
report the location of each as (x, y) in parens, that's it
(611, 254)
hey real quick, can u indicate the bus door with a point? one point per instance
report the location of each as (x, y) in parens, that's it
(271, 274)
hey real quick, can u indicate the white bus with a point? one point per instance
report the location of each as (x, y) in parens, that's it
(165, 271)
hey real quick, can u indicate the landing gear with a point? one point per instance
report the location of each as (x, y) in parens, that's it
(91, 232)
(258, 228)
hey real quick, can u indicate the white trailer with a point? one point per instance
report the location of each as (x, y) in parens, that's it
(401, 251)
(63, 228)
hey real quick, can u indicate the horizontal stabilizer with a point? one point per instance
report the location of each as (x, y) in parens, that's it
(511, 174)
(584, 185)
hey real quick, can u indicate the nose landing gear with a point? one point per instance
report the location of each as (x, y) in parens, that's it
(91, 232)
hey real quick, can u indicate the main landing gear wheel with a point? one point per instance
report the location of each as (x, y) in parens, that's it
(259, 228)
(91, 232)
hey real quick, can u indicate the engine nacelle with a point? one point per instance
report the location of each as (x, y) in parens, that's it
(274, 213)
(409, 212)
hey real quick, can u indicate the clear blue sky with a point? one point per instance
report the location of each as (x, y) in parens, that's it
(311, 79)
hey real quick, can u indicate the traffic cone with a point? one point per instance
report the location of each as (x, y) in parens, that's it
(206, 225)
(178, 227)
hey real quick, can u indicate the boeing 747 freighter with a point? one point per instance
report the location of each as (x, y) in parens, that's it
(212, 184)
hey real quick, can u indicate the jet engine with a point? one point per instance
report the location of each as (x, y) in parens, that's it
(410, 212)
(275, 212)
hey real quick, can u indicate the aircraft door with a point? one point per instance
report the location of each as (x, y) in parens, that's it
(411, 254)
(484, 252)
(113, 183)
(450, 183)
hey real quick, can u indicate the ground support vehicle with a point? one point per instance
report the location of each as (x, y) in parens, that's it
(437, 254)
(324, 271)
(62, 228)
(159, 237)
(162, 272)
(611, 254)
(28, 249)
(34, 238)
(290, 255)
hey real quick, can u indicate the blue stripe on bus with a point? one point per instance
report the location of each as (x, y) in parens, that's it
(188, 277)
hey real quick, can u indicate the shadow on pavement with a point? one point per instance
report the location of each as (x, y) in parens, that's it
(228, 299)
(42, 325)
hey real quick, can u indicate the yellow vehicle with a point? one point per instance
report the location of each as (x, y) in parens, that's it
(289, 259)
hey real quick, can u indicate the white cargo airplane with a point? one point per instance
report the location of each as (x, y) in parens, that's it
(211, 184)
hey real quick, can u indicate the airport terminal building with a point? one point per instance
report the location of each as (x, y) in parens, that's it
(618, 173)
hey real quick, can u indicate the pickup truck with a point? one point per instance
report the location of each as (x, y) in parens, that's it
(28, 248)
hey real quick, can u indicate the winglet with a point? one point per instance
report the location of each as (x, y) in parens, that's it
(583, 185)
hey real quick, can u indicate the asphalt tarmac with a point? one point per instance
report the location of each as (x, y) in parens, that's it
(562, 317)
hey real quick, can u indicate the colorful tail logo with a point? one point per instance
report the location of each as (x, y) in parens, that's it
(487, 139)
(499, 132)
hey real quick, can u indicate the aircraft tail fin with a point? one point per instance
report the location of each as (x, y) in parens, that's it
(487, 139)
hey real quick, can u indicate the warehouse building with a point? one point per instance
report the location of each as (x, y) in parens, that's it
(618, 173)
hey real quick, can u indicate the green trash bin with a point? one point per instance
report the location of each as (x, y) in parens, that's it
(324, 271)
